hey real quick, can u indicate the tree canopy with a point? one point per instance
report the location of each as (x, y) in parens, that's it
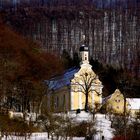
(23, 63)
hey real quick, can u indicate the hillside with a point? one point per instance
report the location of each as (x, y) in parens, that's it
(111, 31)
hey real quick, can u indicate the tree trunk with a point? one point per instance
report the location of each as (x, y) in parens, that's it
(40, 105)
(86, 102)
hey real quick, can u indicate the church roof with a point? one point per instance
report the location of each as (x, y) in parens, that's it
(84, 48)
(134, 103)
(63, 80)
(104, 100)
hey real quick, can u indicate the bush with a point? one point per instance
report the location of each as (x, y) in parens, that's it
(16, 127)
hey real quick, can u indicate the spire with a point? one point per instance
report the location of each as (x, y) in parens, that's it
(83, 38)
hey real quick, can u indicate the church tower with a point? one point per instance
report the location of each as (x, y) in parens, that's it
(84, 53)
(81, 97)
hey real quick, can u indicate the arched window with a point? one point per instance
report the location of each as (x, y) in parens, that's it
(85, 57)
(57, 101)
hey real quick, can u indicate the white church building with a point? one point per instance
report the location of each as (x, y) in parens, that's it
(77, 88)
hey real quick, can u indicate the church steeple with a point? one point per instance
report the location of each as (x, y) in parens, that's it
(84, 52)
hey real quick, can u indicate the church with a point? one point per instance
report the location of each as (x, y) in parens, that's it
(77, 89)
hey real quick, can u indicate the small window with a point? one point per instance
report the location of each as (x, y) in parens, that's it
(57, 101)
(85, 57)
(117, 100)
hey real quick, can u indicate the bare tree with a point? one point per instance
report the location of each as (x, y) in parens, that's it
(86, 83)
(111, 28)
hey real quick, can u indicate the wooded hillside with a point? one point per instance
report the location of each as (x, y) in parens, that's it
(111, 28)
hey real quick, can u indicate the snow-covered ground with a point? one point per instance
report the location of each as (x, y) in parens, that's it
(102, 126)
(35, 136)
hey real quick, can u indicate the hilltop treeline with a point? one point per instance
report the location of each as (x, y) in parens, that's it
(111, 28)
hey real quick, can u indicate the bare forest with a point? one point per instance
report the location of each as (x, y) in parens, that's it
(111, 27)
(40, 39)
